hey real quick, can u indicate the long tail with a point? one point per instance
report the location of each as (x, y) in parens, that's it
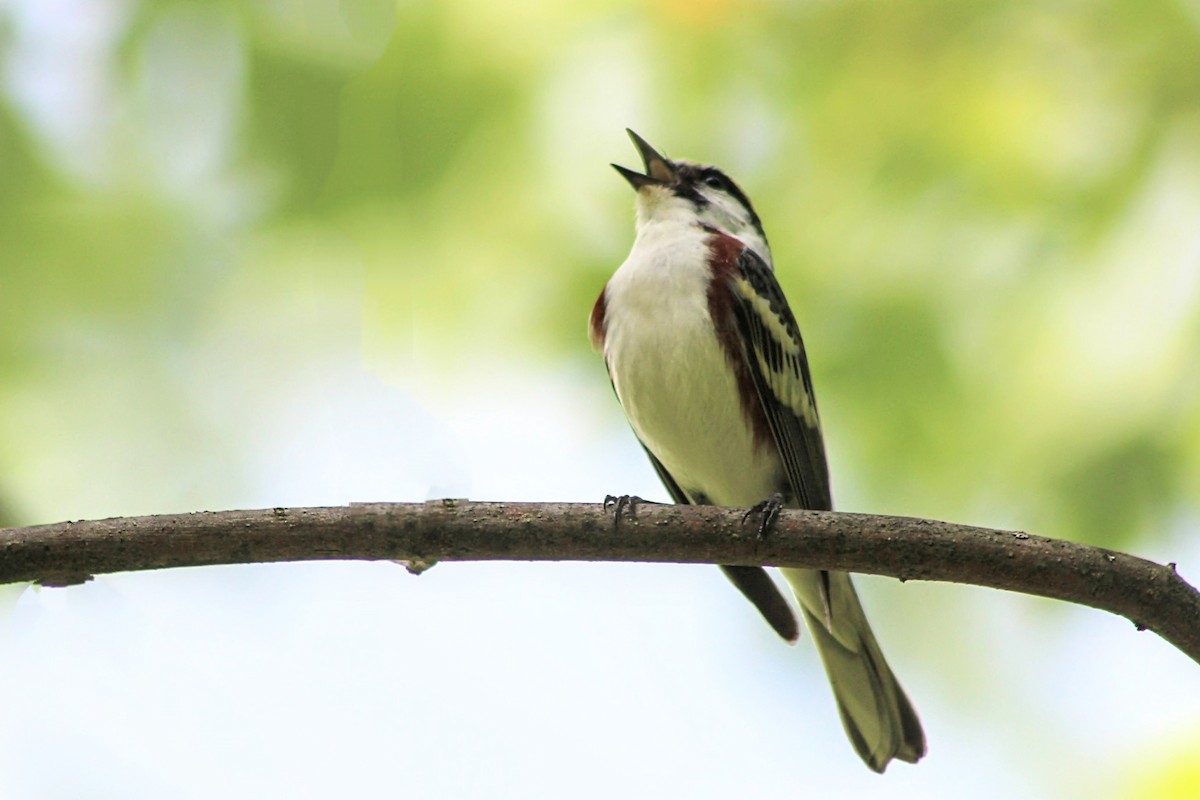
(877, 715)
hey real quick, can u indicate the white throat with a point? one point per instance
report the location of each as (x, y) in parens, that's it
(658, 205)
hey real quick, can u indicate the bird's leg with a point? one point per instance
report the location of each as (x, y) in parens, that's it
(767, 511)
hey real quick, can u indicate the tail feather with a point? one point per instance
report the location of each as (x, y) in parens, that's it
(757, 587)
(878, 716)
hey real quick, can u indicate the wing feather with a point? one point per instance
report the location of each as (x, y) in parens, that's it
(774, 354)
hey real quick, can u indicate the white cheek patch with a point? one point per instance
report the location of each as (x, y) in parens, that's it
(726, 214)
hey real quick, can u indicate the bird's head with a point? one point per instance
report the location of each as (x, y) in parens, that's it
(692, 193)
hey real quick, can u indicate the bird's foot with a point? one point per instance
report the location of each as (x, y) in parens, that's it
(767, 512)
(626, 503)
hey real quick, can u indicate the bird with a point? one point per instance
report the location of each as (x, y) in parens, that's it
(705, 357)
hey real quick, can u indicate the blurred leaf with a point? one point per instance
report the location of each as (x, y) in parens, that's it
(1169, 773)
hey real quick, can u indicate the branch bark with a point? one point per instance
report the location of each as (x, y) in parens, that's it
(1150, 595)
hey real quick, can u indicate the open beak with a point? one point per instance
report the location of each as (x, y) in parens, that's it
(658, 168)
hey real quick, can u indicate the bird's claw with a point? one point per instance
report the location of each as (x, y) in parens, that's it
(767, 511)
(626, 503)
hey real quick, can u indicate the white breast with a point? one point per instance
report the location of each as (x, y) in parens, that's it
(671, 374)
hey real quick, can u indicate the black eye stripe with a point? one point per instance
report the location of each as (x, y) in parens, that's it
(688, 192)
(691, 176)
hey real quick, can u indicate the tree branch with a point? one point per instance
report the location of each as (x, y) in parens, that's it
(1150, 595)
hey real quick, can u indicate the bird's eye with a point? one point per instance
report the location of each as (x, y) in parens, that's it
(714, 182)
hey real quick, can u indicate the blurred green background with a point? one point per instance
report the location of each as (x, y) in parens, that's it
(312, 252)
